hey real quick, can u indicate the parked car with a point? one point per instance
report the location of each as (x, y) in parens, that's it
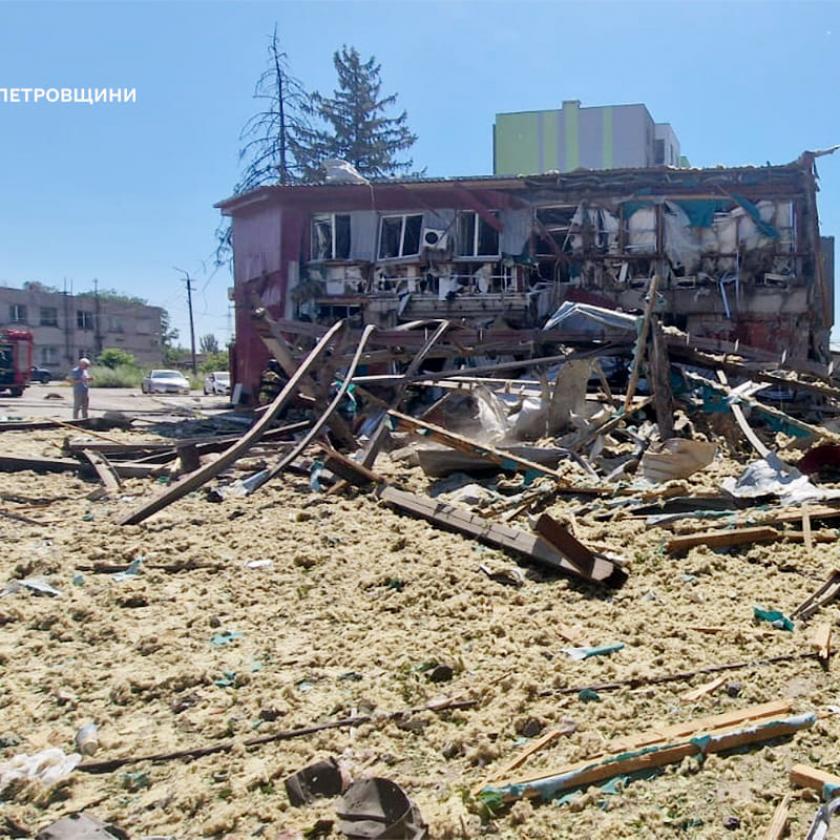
(165, 382)
(217, 383)
(40, 375)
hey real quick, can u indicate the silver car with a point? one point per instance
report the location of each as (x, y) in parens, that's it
(217, 383)
(165, 382)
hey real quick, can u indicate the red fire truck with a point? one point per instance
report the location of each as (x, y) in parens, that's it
(15, 360)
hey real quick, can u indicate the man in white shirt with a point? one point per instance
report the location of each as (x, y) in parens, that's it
(80, 378)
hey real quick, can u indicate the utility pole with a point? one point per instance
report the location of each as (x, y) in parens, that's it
(97, 324)
(188, 282)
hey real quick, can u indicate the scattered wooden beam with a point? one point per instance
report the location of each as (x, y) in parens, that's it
(741, 420)
(822, 641)
(653, 750)
(18, 463)
(196, 479)
(641, 343)
(109, 765)
(105, 471)
(776, 829)
(695, 694)
(504, 459)
(681, 676)
(802, 775)
(522, 756)
(531, 546)
(821, 598)
(660, 370)
(562, 539)
(738, 536)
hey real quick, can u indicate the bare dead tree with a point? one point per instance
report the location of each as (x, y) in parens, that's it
(274, 146)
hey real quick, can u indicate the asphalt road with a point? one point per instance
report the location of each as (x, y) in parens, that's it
(35, 402)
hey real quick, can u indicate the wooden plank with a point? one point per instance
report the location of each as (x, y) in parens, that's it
(572, 549)
(522, 756)
(516, 540)
(594, 770)
(822, 641)
(802, 775)
(702, 690)
(723, 539)
(323, 419)
(660, 368)
(741, 420)
(823, 596)
(641, 343)
(195, 480)
(349, 470)
(776, 829)
(706, 724)
(104, 470)
(806, 530)
(16, 463)
(497, 456)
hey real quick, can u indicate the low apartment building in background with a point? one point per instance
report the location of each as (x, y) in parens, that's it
(66, 327)
(573, 137)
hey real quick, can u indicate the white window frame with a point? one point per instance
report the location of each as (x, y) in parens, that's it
(86, 318)
(474, 255)
(403, 219)
(42, 322)
(15, 312)
(323, 217)
(49, 355)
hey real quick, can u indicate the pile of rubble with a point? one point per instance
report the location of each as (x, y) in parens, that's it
(626, 472)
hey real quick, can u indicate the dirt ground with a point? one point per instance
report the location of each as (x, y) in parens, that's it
(355, 605)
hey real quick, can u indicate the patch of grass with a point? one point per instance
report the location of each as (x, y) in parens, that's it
(122, 376)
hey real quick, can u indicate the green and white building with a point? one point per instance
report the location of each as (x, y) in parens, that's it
(574, 137)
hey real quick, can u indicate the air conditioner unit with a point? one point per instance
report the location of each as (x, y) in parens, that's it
(434, 240)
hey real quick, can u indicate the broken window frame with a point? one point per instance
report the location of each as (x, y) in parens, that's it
(335, 252)
(17, 313)
(477, 230)
(84, 319)
(403, 217)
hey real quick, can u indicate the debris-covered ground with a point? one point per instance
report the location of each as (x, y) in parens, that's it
(295, 607)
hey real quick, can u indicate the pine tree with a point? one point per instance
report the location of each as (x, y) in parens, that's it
(358, 129)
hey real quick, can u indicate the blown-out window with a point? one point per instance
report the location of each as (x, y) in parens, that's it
(476, 238)
(399, 236)
(331, 236)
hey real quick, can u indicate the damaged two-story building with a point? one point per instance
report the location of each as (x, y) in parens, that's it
(737, 250)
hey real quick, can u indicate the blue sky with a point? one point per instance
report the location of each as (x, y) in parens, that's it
(124, 192)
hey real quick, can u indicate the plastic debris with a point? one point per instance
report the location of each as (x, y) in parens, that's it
(775, 617)
(134, 569)
(226, 637)
(323, 778)
(379, 808)
(47, 766)
(87, 739)
(36, 585)
(579, 653)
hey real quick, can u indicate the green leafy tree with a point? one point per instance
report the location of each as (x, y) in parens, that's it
(357, 127)
(208, 343)
(114, 357)
(168, 337)
(216, 361)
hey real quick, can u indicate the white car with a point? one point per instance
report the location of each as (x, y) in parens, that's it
(165, 382)
(217, 383)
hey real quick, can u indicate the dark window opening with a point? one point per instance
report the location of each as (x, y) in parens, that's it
(411, 238)
(342, 237)
(399, 236)
(659, 151)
